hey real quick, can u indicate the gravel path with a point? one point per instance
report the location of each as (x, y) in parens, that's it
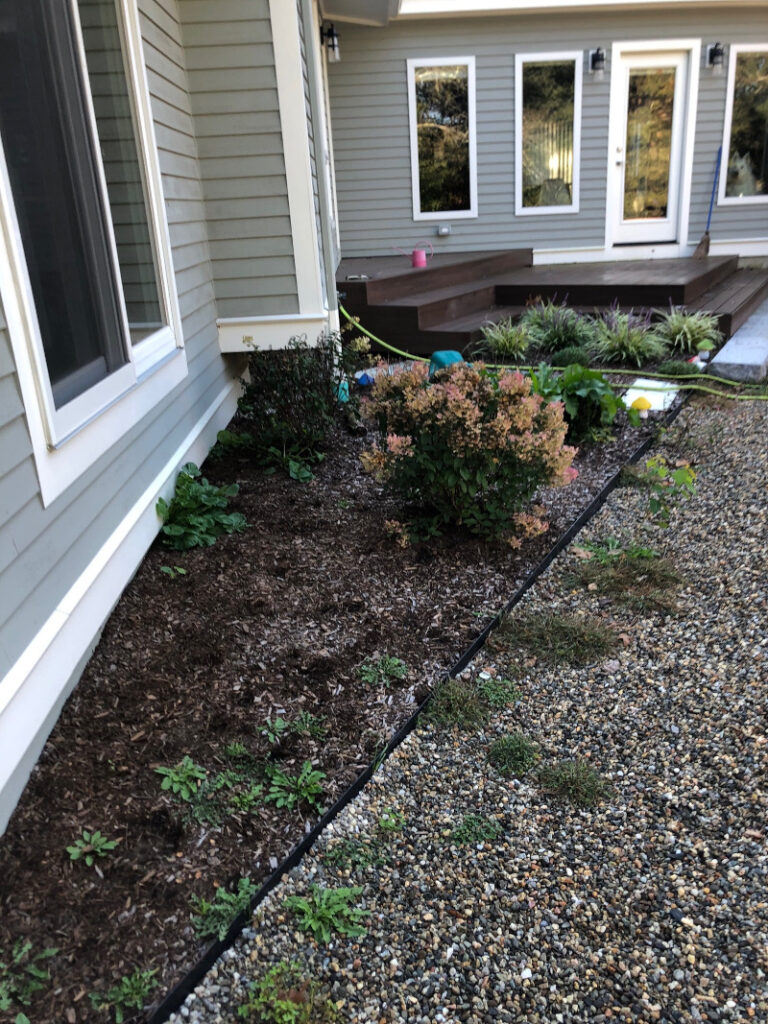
(651, 906)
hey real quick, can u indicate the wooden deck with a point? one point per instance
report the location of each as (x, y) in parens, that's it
(445, 304)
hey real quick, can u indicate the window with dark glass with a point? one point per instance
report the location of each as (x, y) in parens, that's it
(89, 256)
(747, 149)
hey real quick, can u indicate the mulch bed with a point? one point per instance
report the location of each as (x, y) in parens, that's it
(269, 623)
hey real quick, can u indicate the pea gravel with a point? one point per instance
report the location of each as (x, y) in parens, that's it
(651, 906)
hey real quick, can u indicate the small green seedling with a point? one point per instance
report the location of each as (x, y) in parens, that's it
(22, 976)
(90, 847)
(391, 820)
(173, 572)
(184, 779)
(212, 918)
(475, 828)
(668, 485)
(380, 672)
(606, 551)
(289, 791)
(513, 755)
(284, 996)
(131, 993)
(352, 854)
(307, 724)
(274, 730)
(324, 911)
(498, 693)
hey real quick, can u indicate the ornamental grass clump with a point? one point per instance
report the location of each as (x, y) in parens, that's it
(627, 338)
(468, 449)
(688, 333)
(551, 326)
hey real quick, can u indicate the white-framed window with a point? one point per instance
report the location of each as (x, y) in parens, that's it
(744, 167)
(547, 132)
(441, 104)
(86, 279)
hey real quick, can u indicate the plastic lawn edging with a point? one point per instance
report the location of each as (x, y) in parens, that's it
(175, 998)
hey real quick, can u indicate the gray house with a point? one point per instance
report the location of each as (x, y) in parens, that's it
(179, 180)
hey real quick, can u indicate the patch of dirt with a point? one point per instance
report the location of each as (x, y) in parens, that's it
(269, 623)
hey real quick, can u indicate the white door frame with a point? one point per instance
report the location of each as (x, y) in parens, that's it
(655, 50)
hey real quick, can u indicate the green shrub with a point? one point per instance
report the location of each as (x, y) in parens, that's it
(551, 327)
(467, 449)
(570, 355)
(589, 401)
(513, 755)
(688, 333)
(505, 339)
(197, 514)
(626, 338)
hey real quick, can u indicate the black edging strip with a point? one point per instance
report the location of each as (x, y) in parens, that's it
(192, 979)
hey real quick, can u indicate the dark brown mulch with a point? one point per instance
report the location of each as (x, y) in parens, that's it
(266, 624)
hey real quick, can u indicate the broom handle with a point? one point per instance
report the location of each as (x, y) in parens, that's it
(714, 187)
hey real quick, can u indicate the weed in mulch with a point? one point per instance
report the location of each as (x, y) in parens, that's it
(325, 911)
(556, 637)
(457, 703)
(645, 583)
(575, 781)
(475, 828)
(513, 755)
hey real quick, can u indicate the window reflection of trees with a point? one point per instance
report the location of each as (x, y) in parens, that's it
(442, 117)
(650, 109)
(548, 107)
(748, 144)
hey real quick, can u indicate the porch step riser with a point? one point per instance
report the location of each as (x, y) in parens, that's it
(413, 281)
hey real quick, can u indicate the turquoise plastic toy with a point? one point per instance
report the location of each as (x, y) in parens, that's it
(444, 358)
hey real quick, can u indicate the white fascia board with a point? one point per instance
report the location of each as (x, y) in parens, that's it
(45, 673)
(475, 8)
(255, 333)
(286, 43)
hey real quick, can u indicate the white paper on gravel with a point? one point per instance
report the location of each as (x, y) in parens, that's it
(659, 393)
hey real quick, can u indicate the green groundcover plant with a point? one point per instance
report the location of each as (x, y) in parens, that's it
(196, 515)
(467, 449)
(590, 403)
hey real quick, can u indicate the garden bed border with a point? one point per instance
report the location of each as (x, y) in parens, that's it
(175, 998)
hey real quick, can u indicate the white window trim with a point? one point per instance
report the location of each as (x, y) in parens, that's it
(577, 56)
(67, 441)
(722, 199)
(428, 62)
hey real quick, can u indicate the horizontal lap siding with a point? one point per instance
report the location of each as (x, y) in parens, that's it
(237, 121)
(44, 550)
(369, 111)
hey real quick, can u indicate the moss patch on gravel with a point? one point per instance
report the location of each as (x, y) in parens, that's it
(557, 637)
(458, 703)
(513, 755)
(576, 781)
(646, 584)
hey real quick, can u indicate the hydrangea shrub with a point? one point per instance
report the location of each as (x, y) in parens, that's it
(468, 449)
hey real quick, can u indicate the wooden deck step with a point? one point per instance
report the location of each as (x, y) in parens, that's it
(733, 301)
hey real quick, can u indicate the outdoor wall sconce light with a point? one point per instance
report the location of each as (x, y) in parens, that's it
(597, 62)
(329, 37)
(716, 58)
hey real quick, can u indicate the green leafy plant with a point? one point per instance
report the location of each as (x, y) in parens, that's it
(91, 846)
(380, 672)
(576, 781)
(506, 339)
(239, 755)
(687, 333)
(305, 723)
(498, 692)
(467, 449)
(354, 854)
(173, 571)
(590, 402)
(213, 918)
(513, 755)
(131, 993)
(553, 326)
(606, 551)
(247, 800)
(570, 355)
(455, 702)
(289, 791)
(475, 828)
(285, 996)
(324, 911)
(197, 514)
(626, 338)
(232, 441)
(556, 636)
(391, 820)
(22, 976)
(274, 730)
(183, 779)
(667, 485)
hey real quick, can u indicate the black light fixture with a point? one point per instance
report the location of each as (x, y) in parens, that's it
(597, 62)
(716, 57)
(329, 37)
